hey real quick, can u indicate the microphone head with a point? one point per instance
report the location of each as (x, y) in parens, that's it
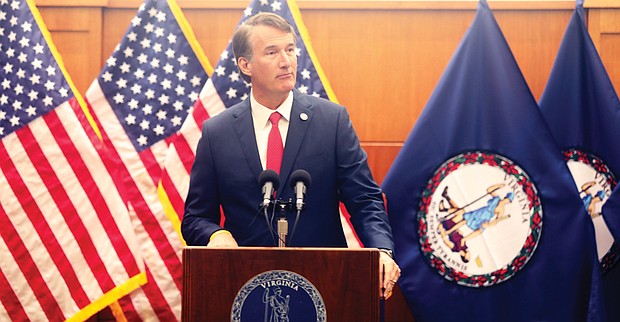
(300, 175)
(269, 176)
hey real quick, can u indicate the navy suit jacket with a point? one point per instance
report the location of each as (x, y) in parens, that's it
(325, 144)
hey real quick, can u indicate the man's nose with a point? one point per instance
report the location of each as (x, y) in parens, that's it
(285, 60)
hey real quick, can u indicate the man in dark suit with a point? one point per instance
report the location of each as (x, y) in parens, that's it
(318, 137)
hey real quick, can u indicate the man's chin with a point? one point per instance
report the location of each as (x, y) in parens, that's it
(288, 87)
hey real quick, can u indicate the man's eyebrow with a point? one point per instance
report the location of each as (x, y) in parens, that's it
(270, 47)
(276, 46)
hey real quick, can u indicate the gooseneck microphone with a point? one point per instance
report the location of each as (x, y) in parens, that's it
(270, 181)
(300, 181)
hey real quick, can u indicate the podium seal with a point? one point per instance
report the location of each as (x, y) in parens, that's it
(276, 296)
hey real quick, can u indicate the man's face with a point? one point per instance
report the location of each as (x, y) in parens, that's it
(273, 67)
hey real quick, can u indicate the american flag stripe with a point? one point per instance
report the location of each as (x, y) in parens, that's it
(63, 261)
(25, 301)
(40, 223)
(59, 202)
(175, 178)
(147, 304)
(152, 158)
(108, 205)
(60, 197)
(34, 289)
(173, 197)
(162, 252)
(35, 264)
(353, 241)
(140, 99)
(181, 149)
(160, 304)
(145, 201)
(87, 169)
(87, 182)
(8, 297)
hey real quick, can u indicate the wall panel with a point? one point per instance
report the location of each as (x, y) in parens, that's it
(77, 34)
(604, 28)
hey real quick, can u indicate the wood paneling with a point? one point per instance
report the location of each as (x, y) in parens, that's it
(380, 157)
(383, 65)
(604, 28)
(77, 34)
(213, 29)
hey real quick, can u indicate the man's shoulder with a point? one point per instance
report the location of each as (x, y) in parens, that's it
(224, 119)
(231, 112)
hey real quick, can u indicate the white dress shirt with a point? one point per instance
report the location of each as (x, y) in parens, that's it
(262, 126)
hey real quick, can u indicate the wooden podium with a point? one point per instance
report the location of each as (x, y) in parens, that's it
(215, 281)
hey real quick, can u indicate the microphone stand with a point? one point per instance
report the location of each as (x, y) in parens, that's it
(282, 222)
(282, 231)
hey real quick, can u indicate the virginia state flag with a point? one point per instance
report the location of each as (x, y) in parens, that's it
(487, 222)
(611, 280)
(612, 208)
(583, 113)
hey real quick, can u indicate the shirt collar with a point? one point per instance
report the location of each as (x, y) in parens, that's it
(261, 113)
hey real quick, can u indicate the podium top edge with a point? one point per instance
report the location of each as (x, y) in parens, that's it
(331, 249)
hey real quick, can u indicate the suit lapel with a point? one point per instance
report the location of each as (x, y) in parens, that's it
(244, 128)
(301, 116)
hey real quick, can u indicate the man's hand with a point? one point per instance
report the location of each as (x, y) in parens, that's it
(222, 238)
(388, 278)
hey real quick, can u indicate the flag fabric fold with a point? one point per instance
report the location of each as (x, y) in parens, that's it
(226, 88)
(487, 222)
(140, 100)
(582, 110)
(612, 208)
(68, 248)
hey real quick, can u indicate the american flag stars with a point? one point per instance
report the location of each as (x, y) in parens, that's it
(152, 78)
(233, 89)
(29, 89)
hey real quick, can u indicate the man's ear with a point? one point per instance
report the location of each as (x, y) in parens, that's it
(244, 66)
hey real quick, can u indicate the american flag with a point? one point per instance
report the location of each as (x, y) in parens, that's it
(226, 88)
(68, 248)
(140, 100)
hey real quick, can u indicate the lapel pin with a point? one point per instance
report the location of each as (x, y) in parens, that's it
(303, 116)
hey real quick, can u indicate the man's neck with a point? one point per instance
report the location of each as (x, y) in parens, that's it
(270, 102)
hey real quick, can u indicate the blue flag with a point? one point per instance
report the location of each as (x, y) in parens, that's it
(611, 279)
(583, 113)
(612, 209)
(487, 222)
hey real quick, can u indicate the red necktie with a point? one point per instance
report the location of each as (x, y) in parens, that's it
(275, 148)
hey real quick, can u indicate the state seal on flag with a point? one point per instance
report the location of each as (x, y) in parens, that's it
(278, 295)
(595, 182)
(480, 219)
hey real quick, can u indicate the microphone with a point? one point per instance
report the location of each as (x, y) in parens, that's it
(300, 180)
(270, 180)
